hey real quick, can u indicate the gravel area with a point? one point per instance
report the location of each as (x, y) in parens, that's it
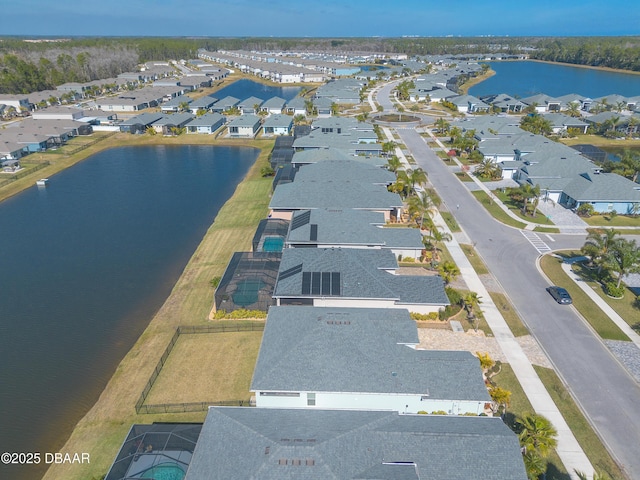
(439, 339)
(628, 354)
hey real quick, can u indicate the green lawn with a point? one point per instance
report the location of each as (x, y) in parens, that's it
(516, 208)
(495, 211)
(450, 221)
(546, 230)
(520, 406)
(463, 177)
(586, 437)
(600, 322)
(627, 307)
(617, 221)
(509, 314)
(475, 260)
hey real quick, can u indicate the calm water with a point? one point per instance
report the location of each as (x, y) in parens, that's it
(85, 264)
(525, 78)
(247, 88)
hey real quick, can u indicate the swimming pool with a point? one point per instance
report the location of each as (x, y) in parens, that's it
(273, 244)
(165, 471)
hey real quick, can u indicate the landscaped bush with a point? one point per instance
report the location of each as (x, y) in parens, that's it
(453, 295)
(449, 311)
(239, 314)
(438, 412)
(612, 289)
(418, 317)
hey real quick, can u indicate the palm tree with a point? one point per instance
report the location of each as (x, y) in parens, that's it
(449, 271)
(501, 398)
(402, 184)
(623, 258)
(488, 169)
(388, 147)
(534, 465)
(442, 125)
(527, 192)
(421, 205)
(471, 300)
(573, 109)
(299, 119)
(393, 163)
(537, 434)
(596, 475)
(597, 247)
(417, 176)
(630, 162)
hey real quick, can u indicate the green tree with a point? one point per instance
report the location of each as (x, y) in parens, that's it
(623, 258)
(501, 398)
(421, 206)
(393, 163)
(537, 434)
(388, 147)
(449, 271)
(528, 193)
(597, 246)
(488, 169)
(597, 475)
(417, 176)
(534, 465)
(442, 125)
(536, 123)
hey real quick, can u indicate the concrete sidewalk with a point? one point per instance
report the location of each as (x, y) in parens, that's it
(568, 449)
(604, 306)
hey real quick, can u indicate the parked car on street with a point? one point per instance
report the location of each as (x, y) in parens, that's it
(560, 295)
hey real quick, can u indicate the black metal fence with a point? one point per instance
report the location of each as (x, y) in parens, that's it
(142, 408)
(23, 173)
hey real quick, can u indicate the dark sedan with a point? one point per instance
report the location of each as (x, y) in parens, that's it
(560, 295)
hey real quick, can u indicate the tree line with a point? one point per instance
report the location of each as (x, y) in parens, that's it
(41, 65)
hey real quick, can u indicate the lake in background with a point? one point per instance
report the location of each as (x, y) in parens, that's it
(526, 78)
(85, 264)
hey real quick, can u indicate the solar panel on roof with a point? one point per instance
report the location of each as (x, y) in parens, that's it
(289, 272)
(326, 283)
(306, 283)
(314, 232)
(301, 219)
(315, 283)
(335, 283)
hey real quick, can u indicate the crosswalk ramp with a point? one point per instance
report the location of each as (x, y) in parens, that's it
(535, 240)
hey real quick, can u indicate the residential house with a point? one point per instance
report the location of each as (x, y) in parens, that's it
(299, 443)
(224, 104)
(561, 123)
(504, 103)
(273, 105)
(202, 104)
(244, 126)
(361, 359)
(337, 228)
(296, 106)
(208, 123)
(469, 104)
(277, 124)
(339, 184)
(177, 104)
(355, 278)
(542, 103)
(250, 105)
(140, 123)
(172, 124)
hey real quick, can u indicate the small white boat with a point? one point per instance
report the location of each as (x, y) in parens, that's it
(42, 182)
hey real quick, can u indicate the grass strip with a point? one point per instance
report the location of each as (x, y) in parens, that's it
(475, 260)
(600, 322)
(628, 307)
(509, 314)
(586, 437)
(451, 222)
(495, 211)
(101, 431)
(518, 407)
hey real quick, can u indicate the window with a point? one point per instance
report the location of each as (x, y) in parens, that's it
(311, 399)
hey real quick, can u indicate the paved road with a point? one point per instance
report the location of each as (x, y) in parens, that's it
(607, 393)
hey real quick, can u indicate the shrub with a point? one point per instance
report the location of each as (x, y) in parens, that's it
(423, 316)
(422, 412)
(585, 210)
(612, 289)
(240, 314)
(453, 295)
(438, 412)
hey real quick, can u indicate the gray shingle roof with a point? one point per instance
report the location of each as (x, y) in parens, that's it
(363, 275)
(353, 227)
(307, 349)
(272, 444)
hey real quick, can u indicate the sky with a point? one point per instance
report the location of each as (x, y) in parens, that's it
(326, 18)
